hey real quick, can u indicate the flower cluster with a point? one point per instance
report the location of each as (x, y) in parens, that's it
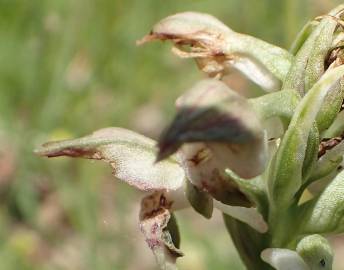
(250, 158)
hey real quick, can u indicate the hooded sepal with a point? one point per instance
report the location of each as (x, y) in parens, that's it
(216, 48)
(227, 129)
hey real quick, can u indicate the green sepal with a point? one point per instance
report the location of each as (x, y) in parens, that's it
(322, 44)
(296, 74)
(253, 189)
(311, 155)
(200, 201)
(337, 127)
(275, 59)
(325, 213)
(331, 106)
(302, 36)
(173, 229)
(280, 104)
(328, 163)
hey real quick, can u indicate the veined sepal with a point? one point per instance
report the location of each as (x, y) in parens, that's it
(131, 155)
(324, 214)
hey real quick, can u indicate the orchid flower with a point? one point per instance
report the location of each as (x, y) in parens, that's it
(132, 157)
(250, 158)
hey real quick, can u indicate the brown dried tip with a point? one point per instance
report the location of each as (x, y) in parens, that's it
(147, 38)
(53, 149)
(328, 144)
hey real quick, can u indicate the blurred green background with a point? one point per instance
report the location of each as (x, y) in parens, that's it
(68, 67)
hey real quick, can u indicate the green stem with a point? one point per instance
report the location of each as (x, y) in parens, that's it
(248, 242)
(281, 229)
